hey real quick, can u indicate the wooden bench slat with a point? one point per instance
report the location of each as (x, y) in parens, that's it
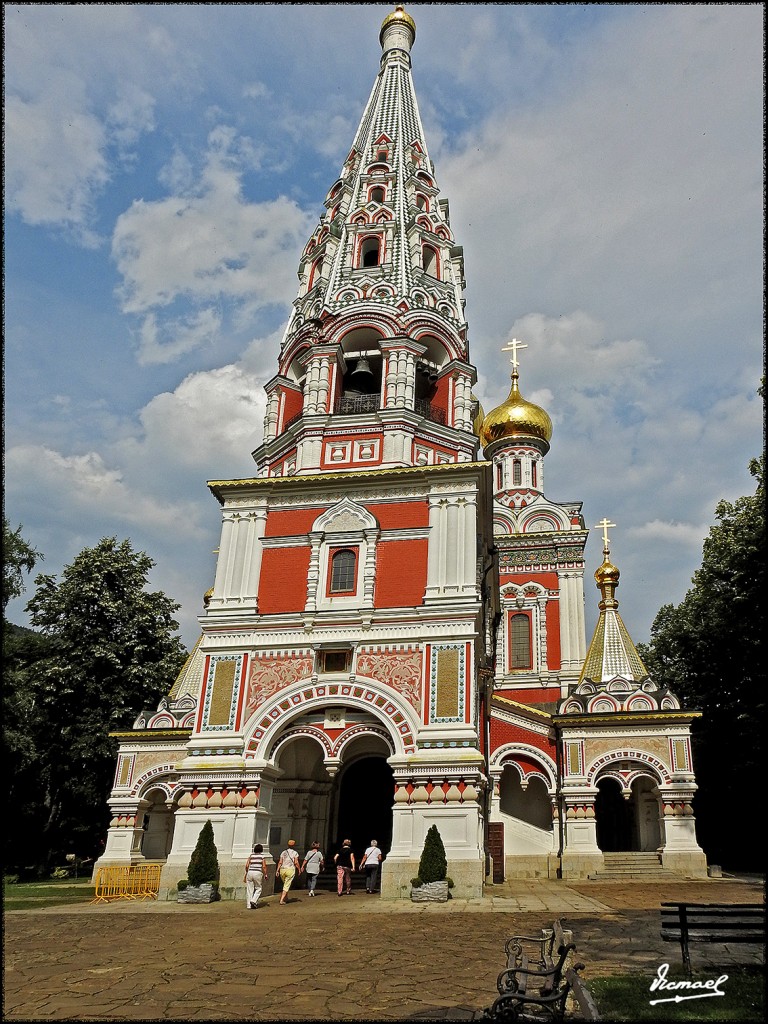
(711, 922)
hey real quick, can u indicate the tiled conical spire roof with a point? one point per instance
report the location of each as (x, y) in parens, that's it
(387, 184)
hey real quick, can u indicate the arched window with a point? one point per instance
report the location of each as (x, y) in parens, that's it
(377, 194)
(421, 202)
(430, 260)
(519, 641)
(343, 565)
(370, 252)
(517, 473)
(315, 273)
(533, 475)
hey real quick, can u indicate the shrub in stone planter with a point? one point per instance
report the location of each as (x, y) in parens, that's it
(432, 882)
(202, 882)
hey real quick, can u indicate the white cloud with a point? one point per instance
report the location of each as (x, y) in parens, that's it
(212, 243)
(688, 535)
(208, 417)
(86, 488)
(165, 343)
(55, 163)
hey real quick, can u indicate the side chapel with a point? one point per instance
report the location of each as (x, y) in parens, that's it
(395, 636)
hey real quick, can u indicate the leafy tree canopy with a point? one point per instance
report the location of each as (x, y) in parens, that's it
(18, 557)
(105, 650)
(709, 651)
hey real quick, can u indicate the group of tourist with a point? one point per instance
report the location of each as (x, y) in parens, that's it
(289, 866)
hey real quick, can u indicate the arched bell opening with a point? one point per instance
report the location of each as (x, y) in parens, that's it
(361, 384)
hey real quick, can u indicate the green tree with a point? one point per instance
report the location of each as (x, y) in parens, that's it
(204, 862)
(433, 865)
(18, 557)
(110, 652)
(709, 651)
(22, 649)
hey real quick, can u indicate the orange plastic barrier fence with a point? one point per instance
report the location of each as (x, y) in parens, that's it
(127, 882)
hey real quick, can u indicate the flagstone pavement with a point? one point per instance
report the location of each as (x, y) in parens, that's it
(330, 958)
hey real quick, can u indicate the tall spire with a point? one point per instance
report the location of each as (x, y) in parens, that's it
(611, 655)
(377, 330)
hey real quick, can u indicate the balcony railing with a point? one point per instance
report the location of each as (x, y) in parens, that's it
(352, 405)
(355, 405)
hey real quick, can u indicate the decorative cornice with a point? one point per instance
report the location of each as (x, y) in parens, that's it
(662, 717)
(310, 481)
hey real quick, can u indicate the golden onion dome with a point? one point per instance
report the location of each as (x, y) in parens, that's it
(606, 573)
(399, 14)
(516, 417)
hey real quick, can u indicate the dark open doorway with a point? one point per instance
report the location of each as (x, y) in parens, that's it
(615, 818)
(366, 794)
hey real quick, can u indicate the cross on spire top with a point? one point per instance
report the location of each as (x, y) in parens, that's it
(513, 346)
(606, 524)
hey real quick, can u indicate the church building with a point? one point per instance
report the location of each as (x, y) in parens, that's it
(395, 636)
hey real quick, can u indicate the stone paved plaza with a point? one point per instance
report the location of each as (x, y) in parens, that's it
(354, 958)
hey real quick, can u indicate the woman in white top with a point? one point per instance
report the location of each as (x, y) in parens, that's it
(255, 876)
(287, 866)
(313, 864)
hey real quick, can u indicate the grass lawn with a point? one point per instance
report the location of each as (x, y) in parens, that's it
(49, 893)
(627, 997)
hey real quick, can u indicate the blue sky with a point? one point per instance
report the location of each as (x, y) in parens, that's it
(165, 165)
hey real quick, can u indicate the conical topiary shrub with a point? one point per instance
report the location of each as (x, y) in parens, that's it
(433, 866)
(204, 863)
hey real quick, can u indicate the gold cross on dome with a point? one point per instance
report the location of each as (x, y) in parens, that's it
(606, 525)
(513, 346)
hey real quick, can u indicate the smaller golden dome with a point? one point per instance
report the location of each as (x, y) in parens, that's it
(516, 417)
(399, 14)
(606, 573)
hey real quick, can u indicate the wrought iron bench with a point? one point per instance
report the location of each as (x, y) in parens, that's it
(536, 982)
(712, 922)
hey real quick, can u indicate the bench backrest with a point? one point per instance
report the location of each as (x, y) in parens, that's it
(740, 919)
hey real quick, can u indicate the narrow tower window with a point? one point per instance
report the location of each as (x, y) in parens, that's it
(377, 194)
(517, 473)
(519, 642)
(533, 475)
(430, 260)
(343, 572)
(370, 253)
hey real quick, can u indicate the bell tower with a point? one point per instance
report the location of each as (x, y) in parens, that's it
(373, 368)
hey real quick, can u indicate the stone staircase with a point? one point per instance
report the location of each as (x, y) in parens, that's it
(630, 867)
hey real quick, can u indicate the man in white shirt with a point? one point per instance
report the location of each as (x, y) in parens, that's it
(371, 861)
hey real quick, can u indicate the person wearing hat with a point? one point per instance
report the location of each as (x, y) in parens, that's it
(287, 866)
(345, 865)
(313, 864)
